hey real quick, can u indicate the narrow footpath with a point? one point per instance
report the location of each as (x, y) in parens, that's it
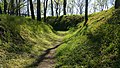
(47, 59)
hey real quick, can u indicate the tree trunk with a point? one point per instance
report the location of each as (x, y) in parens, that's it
(0, 10)
(57, 5)
(28, 8)
(86, 12)
(117, 4)
(5, 6)
(38, 10)
(59, 9)
(52, 12)
(12, 7)
(80, 9)
(32, 10)
(19, 9)
(64, 7)
(45, 9)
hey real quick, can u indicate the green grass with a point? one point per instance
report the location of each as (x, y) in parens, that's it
(97, 45)
(94, 46)
(23, 40)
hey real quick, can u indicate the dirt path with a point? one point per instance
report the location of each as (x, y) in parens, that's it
(47, 59)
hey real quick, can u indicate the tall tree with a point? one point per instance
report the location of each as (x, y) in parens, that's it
(80, 5)
(12, 7)
(56, 6)
(38, 10)
(32, 10)
(64, 6)
(0, 10)
(70, 6)
(45, 9)
(86, 12)
(52, 12)
(19, 12)
(5, 6)
(17, 7)
(59, 8)
(28, 8)
(117, 4)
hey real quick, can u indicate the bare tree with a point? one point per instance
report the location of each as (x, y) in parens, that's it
(70, 7)
(80, 5)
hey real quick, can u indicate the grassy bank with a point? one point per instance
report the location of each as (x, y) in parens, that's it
(94, 46)
(22, 40)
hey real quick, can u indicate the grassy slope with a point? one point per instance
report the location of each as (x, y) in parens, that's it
(94, 46)
(22, 40)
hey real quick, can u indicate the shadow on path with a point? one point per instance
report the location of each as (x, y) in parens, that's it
(42, 57)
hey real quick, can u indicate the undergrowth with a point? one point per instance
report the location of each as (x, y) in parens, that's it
(64, 23)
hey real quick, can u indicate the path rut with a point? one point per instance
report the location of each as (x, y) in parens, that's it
(47, 59)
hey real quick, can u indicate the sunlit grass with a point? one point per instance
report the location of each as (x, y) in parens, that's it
(23, 40)
(93, 46)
